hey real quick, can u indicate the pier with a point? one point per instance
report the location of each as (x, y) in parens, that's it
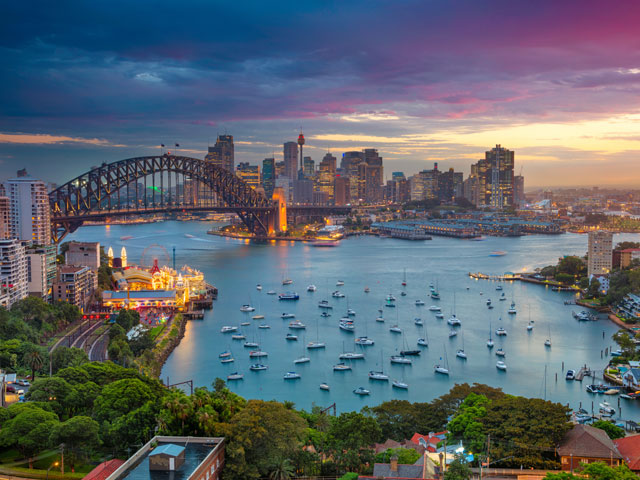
(507, 277)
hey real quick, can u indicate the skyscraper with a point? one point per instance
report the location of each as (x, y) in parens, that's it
(291, 161)
(222, 153)
(308, 167)
(13, 271)
(249, 173)
(518, 191)
(501, 163)
(5, 214)
(30, 210)
(341, 196)
(600, 253)
(268, 176)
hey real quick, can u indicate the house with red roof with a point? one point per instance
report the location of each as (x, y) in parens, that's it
(629, 448)
(430, 441)
(102, 471)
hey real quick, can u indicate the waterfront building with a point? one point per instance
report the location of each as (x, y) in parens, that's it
(519, 200)
(290, 152)
(494, 179)
(449, 185)
(75, 285)
(268, 176)
(13, 271)
(30, 210)
(222, 153)
(587, 444)
(83, 254)
(5, 213)
(599, 253)
(400, 230)
(41, 270)
(249, 173)
(342, 190)
(629, 307)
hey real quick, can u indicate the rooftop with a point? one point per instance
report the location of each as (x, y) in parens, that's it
(139, 294)
(629, 447)
(588, 441)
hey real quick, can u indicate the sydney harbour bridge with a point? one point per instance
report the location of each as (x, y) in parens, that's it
(164, 184)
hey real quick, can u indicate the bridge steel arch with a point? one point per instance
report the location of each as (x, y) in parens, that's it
(89, 196)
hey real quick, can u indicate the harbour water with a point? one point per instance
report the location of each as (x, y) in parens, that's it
(236, 266)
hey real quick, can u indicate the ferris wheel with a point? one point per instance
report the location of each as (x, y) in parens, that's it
(153, 253)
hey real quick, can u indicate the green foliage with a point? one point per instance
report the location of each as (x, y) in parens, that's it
(28, 431)
(572, 265)
(64, 357)
(622, 282)
(142, 342)
(120, 397)
(405, 456)
(565, 278)
(625, 245)
(79, 433)
(353, 431)
(349, 476)
(612, 430)
(127, 319)
(596, 471)
(400, 419)
(458, 470)
(421, 204)
(548, 271)
(467, 425)
(51, 390)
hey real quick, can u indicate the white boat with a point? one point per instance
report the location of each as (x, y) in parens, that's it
(251, 344)
(311, 288)
(423, 342)
(257, 354)
(607, 409)
(324, 386)
(341, 367)
(302, 360)
(390, 298)
(529, 327)
(442, 367)
(235, 376)
(419, 303)
(373, 375)
(338, 294)
(500, 352)
(454, 321)
(435, 308)
(399, 384)
(325, 314)
(256, 367)
(571, 375)
(271, 292)
(512, 309)
(380, 319)
(347, 326)
(297, 325)
(257, 317)
(367, 289)
(264, 326)
(225, 354)
(461, 354)
(351, 356)
(314, 345)
(547, 342)
(258, 287)
(287, 281)
(488, 301)
(395, 329)
(228, 329)
(361, 391)
(364, 341)
(439, 315)
(244, 324)
(452, 333)
(247, 308)
(490, 343)
(227, 360)
(501, 331)
(324, 304)
(418, 321)
(351, 312)
(500, 365)
(399, 359)
(339, 283)
(291, 336)
(285, 316)
(240, 336)
(499, 287)
(291, 376)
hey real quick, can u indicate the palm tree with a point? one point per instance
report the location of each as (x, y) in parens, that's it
(281, 469)
(35, 361)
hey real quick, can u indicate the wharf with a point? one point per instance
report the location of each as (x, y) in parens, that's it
(193, 315)
(500, 278)
(584, 372)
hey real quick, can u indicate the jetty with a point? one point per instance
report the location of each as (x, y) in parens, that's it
(584, 372)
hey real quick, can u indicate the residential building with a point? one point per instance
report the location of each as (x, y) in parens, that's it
(30, 209)
(249, 173)
(75, 285)
(519, 200)
(41, 270)
(629, 448)
(290, 152)
(629, 307)
(449, 185)
(603, 280)
(83, 254)
(494, 179)
(269, 176)
(341, 188)
(222, 153)
(5, 213)
(599, 253)
(587, 444)
(13, 271)
(628, 255)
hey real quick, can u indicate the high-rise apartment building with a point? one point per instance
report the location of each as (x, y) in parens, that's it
(518, 191)
(222, 153)
(83, 254)
(599, 253)
(290, 152)
(341, 189)
(449, 185)
(41, 270)
(30, 210)
(13, 271)
(5, 213)
(249, 173)
(308, 167)
(75, 285)
(268, 176)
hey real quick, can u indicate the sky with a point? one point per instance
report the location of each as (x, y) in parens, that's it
(426, 81)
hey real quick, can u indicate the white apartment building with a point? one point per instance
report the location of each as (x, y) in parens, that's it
(13, 272)
(600, 253)
(30, 210)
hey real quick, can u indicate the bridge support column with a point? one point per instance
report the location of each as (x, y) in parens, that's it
(278, 221)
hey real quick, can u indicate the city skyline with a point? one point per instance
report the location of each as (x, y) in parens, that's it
(556, 83)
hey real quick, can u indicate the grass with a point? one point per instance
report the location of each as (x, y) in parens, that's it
(156, 331)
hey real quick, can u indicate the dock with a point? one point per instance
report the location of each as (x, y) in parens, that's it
(500, 278)
(584, 372)
(194, 315)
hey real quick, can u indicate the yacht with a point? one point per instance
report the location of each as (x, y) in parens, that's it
(287, 281)
(228, 329)
(256, 367)
(289, 296)
(500, 352)
(340, 283)
(530, 327)
(297, 325)
(501, 331)
(347, 326)
(315, 345)
(499, 287)
(440, 315)
(418, 321)
(490, 343)
(324, 304)
(500, 365)
(291, 376)
(441, 369)
(606, 409)
(258, 287)
(423, 342)
(390, 298)
(341, 367)
(251, 345)
(227, 360)
(235, 376)
(512, 309)
(247, 308)
(244, 324)
(291, 336)
(337, 294)
(452, 333)
(435, 308)
(264, 326)
(401, 360)
(258, 354)
(302, 360)
(461, 354)
(324, 386)
(547, 342)
(395, 329)
(380, 319)
(351, 312)
(373, 375)
(351, 356)
(311, 288)
(364, 341)
(271, 292)
(571, 375)
(419, 303)
(399, 384)
(239, 336)
(361, 391)
(284, 316)
(454, 321)
(257, 317)
(325, 314)
(225, 354)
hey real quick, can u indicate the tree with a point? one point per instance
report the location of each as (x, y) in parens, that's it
(549, 271)
(625, 245)
(63, 357)
(594, 288)
(353, 431)
(467, 425)
(51, 390)
(78, 434)
(458, 470)
(128, 319)
(34, 359)
(281, 469)
(120, 397)
(565, 278)
(400, 419)
(405, 456)
(29, 432)
(612, 430)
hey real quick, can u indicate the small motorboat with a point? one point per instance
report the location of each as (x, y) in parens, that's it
(390, 298)
(500, 352)
(256, 367)
(351, 356)
(297, 325)
(324, 304)
(285, 316)
(367, 289)
(571, 375)
(423, 342)
(606, 409)
(337, 294)
(311, 288)
(291, 376)
(500, 331)
(315, 345)
(452, 333)
(502, 297)
(257, 354)
(324, 386)
(325, 314)
(251, 344)
(547, 342)
(271, 292)
(373, 375)
(341, 367)
(228, 329)
(399, 384)
(488, 301)
(403, 293)
(616, 353)
(235, 376)
(361, 391)
(439, 315)
(257, 317)
(258, 287)
(461, 354)
(435, 308)
(399, 359)
(227, 360)
(302, 360)
(245, 324)
(247, 308)
(418, 321)
(419, 303)
(264, 326)
(291, 336)
(351, 312)
(499, 287)
(240, 336)
(500, 365)
(339, 283)
(364, 341)
(395, 329)
(529, 327)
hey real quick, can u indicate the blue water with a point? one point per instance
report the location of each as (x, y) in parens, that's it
(236, 266)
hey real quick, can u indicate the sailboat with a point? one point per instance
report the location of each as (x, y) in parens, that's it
(350, 355)
(530, 325)
(365, 341)
(317, 343)
(404, 278)
(453, 320)
(434, 292)
(512, 309)
(490, 341)
(303, 358)
(461, 353)
(259, 315)
(380, 318)
(405, 349)
(547, 342)
(424, 340)
(379, 375)
(439, 367)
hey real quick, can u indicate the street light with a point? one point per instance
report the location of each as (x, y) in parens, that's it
(54, 464)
